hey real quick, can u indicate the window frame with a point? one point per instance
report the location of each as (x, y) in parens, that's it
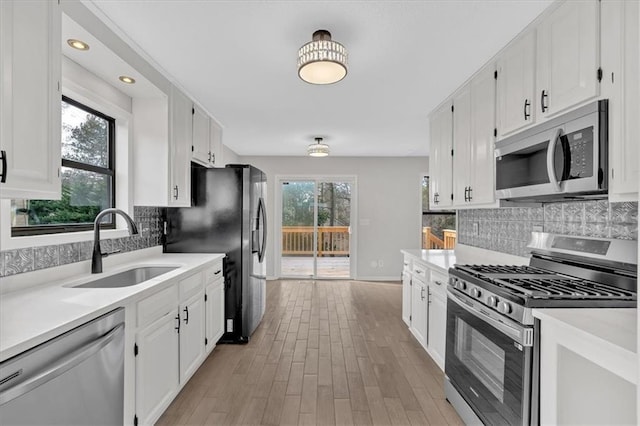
(110, 170)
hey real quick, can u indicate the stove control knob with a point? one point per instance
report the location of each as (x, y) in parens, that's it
(492, 301)
(461, 285)
(475, 292)
(504, 307)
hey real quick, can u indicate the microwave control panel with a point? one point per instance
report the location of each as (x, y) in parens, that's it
(578, 148)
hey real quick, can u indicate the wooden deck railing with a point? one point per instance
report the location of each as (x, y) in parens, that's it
(430, 241)
(332, 240)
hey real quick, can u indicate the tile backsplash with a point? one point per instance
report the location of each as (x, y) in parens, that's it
(508, 229)
(29, 259)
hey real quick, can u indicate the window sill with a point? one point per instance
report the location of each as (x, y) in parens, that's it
(12, 243)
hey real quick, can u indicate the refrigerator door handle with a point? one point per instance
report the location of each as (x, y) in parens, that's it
(262, 221)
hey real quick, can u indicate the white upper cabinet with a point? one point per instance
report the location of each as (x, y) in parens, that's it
(215, 143)
(473, 140)
(516, 103)
(620, 39)
(30, 73)
(180, 112)
(207, 140)
(162, 134)
(483, 122)
(200, 151)
(440, 160)
(461, 145)
(567, 56)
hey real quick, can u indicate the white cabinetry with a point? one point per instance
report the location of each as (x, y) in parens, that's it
(406, 292)
(192, 325)
(30, 99)
(516, 103)
(162, 132)
(437, 317)
(567, 56)
(419, 304)
(214, 307)
(473, 140)
(157, 346)
(424, 303)
(207, 139)
(620, 57)
(170, 344)
(440, 160)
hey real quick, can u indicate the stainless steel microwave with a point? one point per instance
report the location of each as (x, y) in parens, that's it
(561, 159)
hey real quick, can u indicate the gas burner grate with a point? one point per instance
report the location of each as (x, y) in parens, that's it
(564, 288)
(483, 270)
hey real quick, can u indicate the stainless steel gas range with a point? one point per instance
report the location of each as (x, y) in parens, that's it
(491, 361)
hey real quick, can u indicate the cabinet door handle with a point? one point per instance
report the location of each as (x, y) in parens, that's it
(466, 192)
(3, 157)
(438, 282)
(429, 297)
(217, 272)
(470, 197)
(422, 293)
(175, 192)
(543, 96)
(177, 327)
(209, 156)
(186, 314)
(213, 159)
(527, 109)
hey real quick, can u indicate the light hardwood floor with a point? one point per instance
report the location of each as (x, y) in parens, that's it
(327, 352)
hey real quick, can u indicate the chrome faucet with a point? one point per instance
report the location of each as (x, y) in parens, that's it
(96, 259)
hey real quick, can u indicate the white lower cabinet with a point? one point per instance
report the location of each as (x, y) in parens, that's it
(191, 335)
(214, 308)
(437, 317)
(156, 367)
(406, 297)
(419, 309)
(424, 306)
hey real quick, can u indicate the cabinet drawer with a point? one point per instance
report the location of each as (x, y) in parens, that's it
(154, 307)
(406, 264)
(190, 286)
(213, 273)
(421, 271)
(439, 282)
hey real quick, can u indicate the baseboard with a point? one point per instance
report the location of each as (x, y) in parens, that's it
(392, 278)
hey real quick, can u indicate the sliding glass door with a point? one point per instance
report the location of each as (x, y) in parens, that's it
(316, 228)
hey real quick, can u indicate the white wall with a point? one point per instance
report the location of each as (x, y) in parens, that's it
(388, 205)
(229, 156)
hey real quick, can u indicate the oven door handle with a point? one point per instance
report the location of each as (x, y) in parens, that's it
(551, 170)
(520, 334)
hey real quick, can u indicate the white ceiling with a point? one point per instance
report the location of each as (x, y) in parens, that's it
(238, 59)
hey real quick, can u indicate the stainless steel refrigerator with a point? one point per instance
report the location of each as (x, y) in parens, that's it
(227, 215)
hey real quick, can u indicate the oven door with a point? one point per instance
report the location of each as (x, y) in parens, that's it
(488, 361)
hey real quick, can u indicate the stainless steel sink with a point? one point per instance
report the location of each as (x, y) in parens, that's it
(128, 278)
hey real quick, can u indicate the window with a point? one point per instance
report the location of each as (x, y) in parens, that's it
(88, 177)
(438, 227)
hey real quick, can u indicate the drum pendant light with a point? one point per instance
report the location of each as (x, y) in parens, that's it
(318, 149)
(322, 60)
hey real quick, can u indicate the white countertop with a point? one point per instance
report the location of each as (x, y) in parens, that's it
(611, 332)
(36, 314)
(438, 259)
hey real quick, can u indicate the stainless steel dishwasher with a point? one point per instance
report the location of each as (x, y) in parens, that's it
(76, 378)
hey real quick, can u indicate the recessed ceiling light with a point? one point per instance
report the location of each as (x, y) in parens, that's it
(77, 44)
(127, 79)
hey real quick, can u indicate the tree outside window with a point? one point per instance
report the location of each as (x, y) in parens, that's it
(87, 175)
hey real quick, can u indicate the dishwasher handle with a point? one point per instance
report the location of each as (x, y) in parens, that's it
(62, 365)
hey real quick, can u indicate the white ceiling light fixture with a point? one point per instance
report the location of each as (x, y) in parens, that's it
(318, 149)
(322, 60)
